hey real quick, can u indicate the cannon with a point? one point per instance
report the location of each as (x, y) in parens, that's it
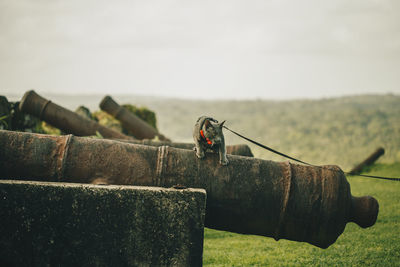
(64, 119)
(368, 161)
(240, 149)
(249, 196)
(139, 128)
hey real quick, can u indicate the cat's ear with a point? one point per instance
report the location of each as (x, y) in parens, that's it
(207, 124)
(222, 123)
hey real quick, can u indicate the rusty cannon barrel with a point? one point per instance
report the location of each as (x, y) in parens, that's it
(250, 196)
(240, 150)
(139, 128)
(64, 119)
(368, 161)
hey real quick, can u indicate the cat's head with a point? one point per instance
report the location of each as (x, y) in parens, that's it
(213, 131)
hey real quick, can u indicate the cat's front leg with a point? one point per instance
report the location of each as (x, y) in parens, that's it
(222, 154)
(199, 151)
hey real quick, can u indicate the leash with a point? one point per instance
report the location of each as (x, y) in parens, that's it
(306, 163)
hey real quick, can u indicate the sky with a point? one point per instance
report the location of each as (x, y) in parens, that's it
(227, 49)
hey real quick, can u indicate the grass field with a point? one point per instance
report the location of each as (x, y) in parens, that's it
(375, 246)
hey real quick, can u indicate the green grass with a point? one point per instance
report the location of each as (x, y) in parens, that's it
(375, 246)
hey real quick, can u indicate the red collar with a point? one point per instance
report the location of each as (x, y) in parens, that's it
(208, 140)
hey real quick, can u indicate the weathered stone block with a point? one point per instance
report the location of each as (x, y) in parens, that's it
(64, 224)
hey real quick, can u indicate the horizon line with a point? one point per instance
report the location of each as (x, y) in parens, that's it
(256, 98)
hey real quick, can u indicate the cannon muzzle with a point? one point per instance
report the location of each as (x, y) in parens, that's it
(249, 196)
(139, 128)
(64, 119)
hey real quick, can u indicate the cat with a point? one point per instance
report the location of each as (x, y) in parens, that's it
(207, 135)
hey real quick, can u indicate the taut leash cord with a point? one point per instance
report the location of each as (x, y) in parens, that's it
(306, 163)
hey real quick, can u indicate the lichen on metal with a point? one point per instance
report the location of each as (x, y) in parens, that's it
(139, 128)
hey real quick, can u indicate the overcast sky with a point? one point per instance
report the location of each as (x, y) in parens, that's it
(201, 49)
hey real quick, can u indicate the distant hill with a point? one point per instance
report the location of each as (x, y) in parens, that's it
(339, 131)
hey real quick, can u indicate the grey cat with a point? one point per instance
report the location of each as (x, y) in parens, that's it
(207, 135)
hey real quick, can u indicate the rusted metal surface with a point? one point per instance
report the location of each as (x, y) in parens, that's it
(240, 150)
(251, 196)
(369, 161)
(64, 119)
(139, 128)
